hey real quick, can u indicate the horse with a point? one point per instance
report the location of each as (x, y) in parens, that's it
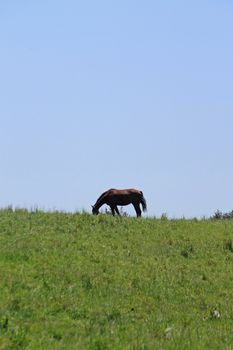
(114, 197)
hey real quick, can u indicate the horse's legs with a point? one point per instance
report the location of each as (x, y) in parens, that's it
(137, 209)
(117, 211)
(113, 210)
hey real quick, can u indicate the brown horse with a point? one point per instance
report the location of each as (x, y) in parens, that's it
(115, 197)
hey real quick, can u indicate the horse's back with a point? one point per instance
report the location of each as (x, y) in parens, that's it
(123, 191)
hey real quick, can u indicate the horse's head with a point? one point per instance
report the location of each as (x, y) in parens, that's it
(95, 211)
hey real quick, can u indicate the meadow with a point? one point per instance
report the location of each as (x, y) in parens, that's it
(78, 281)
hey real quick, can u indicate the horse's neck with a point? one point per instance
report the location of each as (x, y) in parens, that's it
(100, 202)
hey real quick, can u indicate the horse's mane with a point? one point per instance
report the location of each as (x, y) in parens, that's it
(103, 194)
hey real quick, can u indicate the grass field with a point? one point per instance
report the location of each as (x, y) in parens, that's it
(77, 281)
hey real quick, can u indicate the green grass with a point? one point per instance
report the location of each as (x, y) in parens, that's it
(77, 281)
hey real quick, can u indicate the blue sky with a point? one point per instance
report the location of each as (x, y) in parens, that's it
(101, 94)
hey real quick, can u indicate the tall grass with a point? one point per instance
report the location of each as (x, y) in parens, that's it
(76, 281)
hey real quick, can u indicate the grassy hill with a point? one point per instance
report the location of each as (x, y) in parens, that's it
(77, 281)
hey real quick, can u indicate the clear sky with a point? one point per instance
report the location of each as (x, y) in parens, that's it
(101, 94)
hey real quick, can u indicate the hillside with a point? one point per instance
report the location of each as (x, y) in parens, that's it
(77, 281)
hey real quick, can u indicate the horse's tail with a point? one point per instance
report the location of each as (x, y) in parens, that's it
(143, 202)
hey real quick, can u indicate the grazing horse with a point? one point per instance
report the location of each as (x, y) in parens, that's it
(115, 197)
